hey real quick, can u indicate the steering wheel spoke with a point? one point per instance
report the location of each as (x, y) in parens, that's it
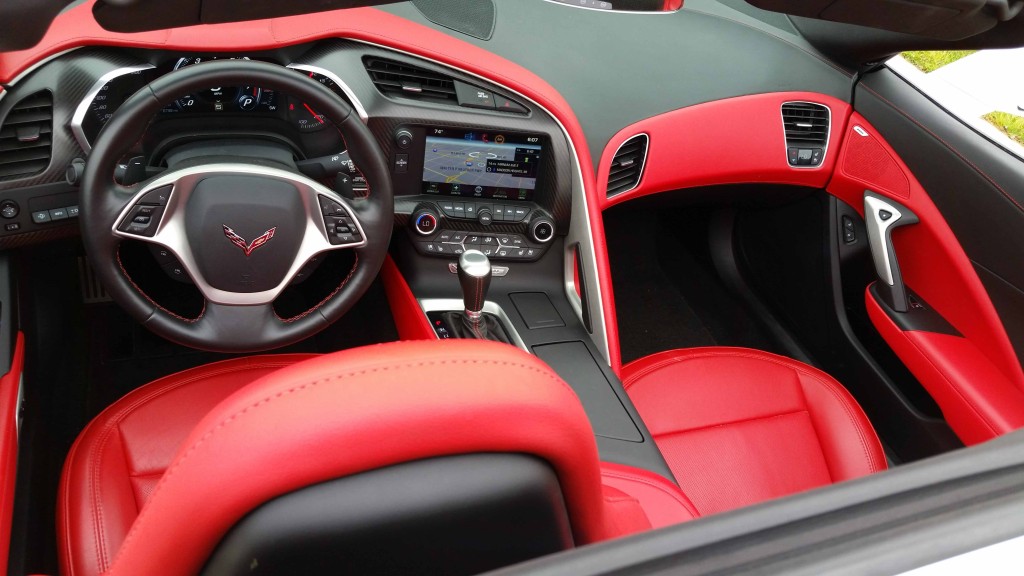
(242, 228)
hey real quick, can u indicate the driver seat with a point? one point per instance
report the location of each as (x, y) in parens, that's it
(428, 457)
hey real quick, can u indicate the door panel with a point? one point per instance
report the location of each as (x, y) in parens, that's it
(969, 196)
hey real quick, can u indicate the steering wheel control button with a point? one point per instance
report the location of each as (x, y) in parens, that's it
(157, 196)
(142, 221)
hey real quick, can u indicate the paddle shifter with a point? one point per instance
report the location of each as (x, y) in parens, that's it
(475, 278)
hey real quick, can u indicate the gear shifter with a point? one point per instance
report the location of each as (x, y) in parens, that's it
(475, 278)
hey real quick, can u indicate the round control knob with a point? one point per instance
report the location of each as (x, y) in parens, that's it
(542, 229)
(403, 139)
(424, 221)
(484, 217)
(9, 209)
(74, 171)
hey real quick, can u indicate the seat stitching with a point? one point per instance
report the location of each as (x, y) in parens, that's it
(817, 435)
(808, 371)
(99, 448)
(302, 388)
(677, 497)
(731, 423)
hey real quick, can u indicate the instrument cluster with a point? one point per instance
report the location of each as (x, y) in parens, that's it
(247, 101)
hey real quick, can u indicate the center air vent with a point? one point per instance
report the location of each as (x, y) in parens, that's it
(400, 79)
(628, 165)
(806, 126)
(25, 137)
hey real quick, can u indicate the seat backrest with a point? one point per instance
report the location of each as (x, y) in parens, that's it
(387, 444)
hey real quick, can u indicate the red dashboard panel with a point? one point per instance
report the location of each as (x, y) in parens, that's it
(931, 259)
(736, 140)
(9, 385)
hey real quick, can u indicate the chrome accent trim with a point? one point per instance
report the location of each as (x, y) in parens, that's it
(456, 305)
(828, 135)
(356, 104)
(36, 65)
(879, 239)
(496, 271)
(640, 12)
(640, 176)
(579, 226)
(171, 233)
(83, 107)
(17, 405)
(860, 130)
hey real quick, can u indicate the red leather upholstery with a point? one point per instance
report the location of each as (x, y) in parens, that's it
(740, 426)
(636, 500)
(118, 459)
(9, 385)
(323, 418)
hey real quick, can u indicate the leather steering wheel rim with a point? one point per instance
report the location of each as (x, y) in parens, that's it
(221, 327)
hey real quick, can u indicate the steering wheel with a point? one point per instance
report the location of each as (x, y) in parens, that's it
(241, 227)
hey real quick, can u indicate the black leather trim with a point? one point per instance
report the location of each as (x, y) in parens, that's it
(453, 515)
(919, 316)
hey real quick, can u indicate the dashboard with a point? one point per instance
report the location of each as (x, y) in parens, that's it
(472, 164)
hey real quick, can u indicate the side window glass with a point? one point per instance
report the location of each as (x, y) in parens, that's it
(983, 88)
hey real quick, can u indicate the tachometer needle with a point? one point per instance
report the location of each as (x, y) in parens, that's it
(315, 115)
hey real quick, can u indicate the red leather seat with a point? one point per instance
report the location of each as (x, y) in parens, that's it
(740, 426)
(155, 482)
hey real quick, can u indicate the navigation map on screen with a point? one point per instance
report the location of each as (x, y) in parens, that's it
(480, 165)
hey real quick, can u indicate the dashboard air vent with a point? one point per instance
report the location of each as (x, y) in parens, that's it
(400, 79)
(26, 137)
(806, 126)
(628, 165)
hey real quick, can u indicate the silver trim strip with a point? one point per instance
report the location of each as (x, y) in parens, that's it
(17, 405)
(580, 231)
(83, 107)
(640, 12)
(878, 235)
(171, 232)
(36, 65)
(456, 305)
(356, 104)
(785, 142)
(640, 176)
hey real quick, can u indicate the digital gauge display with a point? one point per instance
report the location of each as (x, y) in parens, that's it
(240, 102)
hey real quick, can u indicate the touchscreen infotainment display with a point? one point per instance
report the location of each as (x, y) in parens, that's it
(481, 164)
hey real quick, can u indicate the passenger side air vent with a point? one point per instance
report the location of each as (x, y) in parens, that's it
(26, 137)
(628, 165)
(806, 126)
(399, 79)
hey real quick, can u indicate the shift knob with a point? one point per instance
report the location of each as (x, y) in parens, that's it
(475, 278)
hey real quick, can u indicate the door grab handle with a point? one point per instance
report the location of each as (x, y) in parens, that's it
(882, 216)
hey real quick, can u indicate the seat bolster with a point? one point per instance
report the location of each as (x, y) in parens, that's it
(354, 411)
(110, 468)
(637, 500)
(848, 441)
